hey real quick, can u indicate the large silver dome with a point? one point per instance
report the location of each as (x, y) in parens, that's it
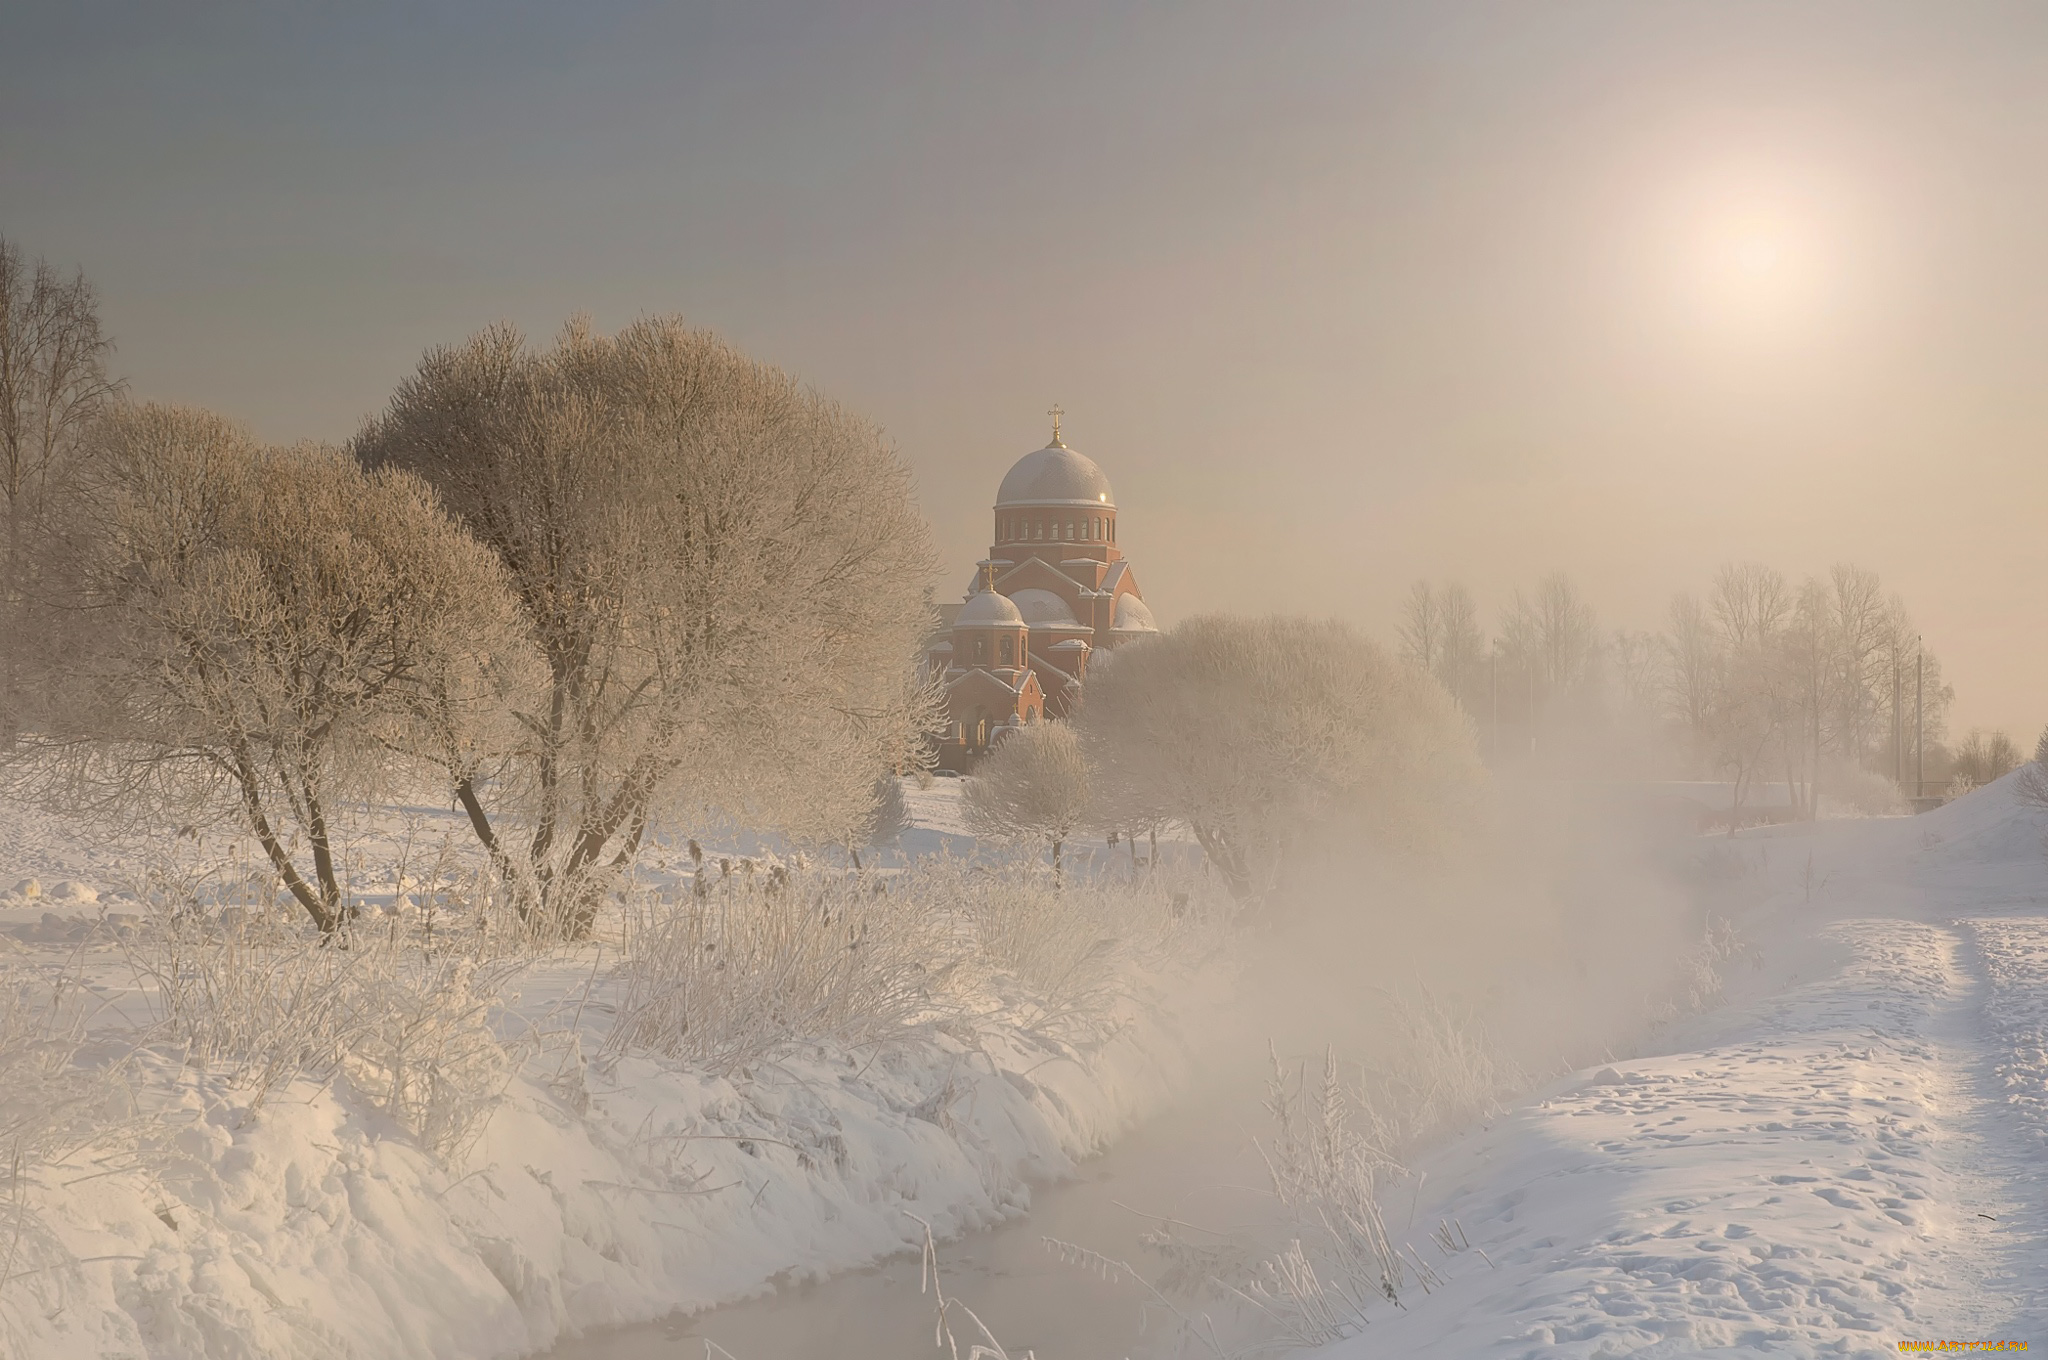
(1055, 475)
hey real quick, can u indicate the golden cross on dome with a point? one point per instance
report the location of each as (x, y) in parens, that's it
(1056, 413)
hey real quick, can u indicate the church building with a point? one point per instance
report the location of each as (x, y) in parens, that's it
(1053, 588)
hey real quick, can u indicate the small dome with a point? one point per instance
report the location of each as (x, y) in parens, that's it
(987, 608)
(1055, 475)
(1043, 609)
(1132, 616)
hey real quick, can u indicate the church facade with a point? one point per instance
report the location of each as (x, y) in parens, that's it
(1053, 590)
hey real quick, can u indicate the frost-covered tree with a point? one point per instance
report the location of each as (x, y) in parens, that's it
(1751, 603)
(53, 386)
(1553, 632)
(2032, 785)
(1439, 632)
(1835, 660)
(1984, 757)
(1692, 668)
(53, 380)
(250, 632)
(1859, 628)
(723, 573)
(1265, 735)
(1463, 652)
(1422, 627)
(889, 820)
(1747, 718)
(1034, 785)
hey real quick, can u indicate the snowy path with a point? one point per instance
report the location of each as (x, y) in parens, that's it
(1848, 1155)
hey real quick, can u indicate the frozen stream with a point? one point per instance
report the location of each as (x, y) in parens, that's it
(1197, 1165)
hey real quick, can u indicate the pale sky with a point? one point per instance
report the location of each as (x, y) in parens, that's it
(1339, 295)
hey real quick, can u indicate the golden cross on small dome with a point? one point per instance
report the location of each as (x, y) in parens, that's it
(1056, 413)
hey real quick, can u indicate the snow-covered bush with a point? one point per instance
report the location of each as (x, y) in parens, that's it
(2032, 785)
(263, 1004)
(1435, 1070)
(50, 1101)
(1985, 757)
(1327, 1172)
(1033, 786)
(754, 968)
(1851, 790)
(1069, 945)
(1272, 737)
(742, 974)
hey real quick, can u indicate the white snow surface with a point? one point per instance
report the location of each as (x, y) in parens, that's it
(316, 1227)
(1850, 1153)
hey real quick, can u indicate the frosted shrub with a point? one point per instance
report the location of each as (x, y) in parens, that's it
(51, 1102)
(1695, 980)
(743, 974)
(1272, 738)
(1327, 1170)
(1032, 787)
(1061, 945)
(1336, 1147)
(1070, 944)
(1440, 1072)
(409, 1029)
(1852, 791)
(755, 968)
(46, 1099)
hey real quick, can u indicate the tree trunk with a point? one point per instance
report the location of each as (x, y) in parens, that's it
(266, 836)
(323, 857)
(1226, 861)
(524, 897)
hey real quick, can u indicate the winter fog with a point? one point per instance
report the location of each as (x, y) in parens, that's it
(791, 684)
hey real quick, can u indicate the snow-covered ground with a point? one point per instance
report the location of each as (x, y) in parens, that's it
(316, 1226)
(1850, 1153)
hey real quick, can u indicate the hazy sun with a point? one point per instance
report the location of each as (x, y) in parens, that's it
(1760, 270)
(1756, 253)
(1750, 252)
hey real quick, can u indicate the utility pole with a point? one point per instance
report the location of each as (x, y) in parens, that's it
(1532, 707)
(1898, 726)
(1920, 720)
(1493, 701)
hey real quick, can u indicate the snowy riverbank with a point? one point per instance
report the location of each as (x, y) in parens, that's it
(1844, 1156)
(318, 1228)
(199, 1222)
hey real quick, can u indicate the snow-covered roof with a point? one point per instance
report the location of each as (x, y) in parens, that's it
(987, 608)
(1054, 475)
(960, 675)
(1070, 645)
(1132, 616)
(1044, 609)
